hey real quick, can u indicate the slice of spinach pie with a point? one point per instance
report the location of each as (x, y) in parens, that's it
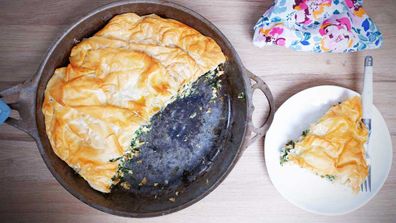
(333, 147)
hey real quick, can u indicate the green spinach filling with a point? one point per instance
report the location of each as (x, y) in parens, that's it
(285, 152)
(289, 147)
(329, 177)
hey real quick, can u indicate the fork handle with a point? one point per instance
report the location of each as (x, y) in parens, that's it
(367, 94)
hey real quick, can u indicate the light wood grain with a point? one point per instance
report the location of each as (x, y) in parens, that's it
(29, 193)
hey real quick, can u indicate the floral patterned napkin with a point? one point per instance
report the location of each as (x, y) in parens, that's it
(334, 26)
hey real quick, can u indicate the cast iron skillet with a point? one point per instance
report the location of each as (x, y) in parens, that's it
(194, 179)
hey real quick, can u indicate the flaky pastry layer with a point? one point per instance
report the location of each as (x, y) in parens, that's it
(115, 82)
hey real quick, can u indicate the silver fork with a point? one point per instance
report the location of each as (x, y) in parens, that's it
(367, 103)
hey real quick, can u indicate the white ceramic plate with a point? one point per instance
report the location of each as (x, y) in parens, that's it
(300, 186)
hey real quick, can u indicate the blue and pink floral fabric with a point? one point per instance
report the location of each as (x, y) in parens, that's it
(318, 25)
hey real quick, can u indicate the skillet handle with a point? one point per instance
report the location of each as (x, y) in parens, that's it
(21, 98)
(260, 131)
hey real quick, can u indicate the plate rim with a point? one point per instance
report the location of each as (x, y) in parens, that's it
(314, 211)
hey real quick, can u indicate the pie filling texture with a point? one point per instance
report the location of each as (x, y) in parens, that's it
(115, 82)
(333, 147)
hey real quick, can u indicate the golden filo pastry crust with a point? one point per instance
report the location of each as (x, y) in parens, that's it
(334, 145)
(115, 82)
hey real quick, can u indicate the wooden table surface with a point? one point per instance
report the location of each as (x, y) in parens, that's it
(29, 193)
